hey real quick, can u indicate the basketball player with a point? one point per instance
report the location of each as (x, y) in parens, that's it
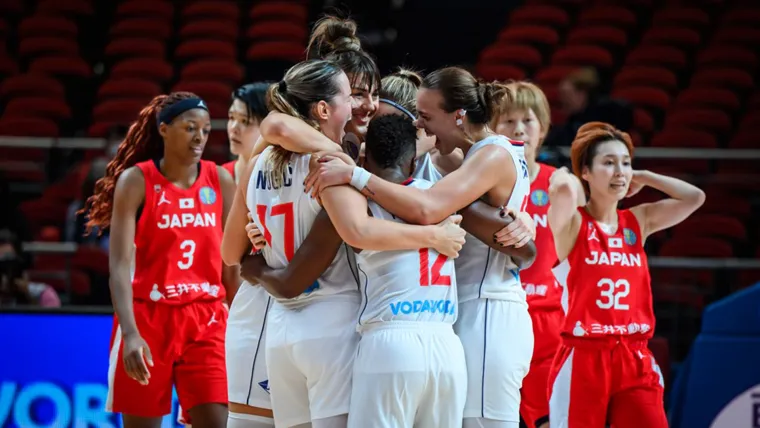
(245, 341)
(526, 118)
(603, 371)
(246, 112)
(333, 39)
(311, 337)
(166, 206)
(494, 324)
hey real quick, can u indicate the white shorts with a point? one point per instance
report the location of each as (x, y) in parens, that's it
(247, 381)
(408, 374)
(497, 336)
(310, 354)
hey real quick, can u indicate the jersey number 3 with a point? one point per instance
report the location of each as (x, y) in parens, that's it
(432, 276)
(285, 210)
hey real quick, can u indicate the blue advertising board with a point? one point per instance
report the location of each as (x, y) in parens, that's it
(54, 371)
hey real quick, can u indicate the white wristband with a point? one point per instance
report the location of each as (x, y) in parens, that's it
(360, 178)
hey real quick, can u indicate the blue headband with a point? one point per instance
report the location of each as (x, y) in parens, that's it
(398, 106)
(168, 114)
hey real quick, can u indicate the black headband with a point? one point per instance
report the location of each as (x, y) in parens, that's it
(398, 106)
(169, 113)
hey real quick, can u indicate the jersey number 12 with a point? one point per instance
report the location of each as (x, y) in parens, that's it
(432, 276)
(285, 210)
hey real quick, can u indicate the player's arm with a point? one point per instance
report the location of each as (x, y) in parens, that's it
(566, 194)
(348, 210)
(292, 134)
(478, 175)
(483, 221)
(230, 274)
(312, 258)
(683, 200)
(235, 243)
(129, 194)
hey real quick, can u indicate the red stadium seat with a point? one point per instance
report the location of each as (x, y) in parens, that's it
(276, 50)
(117, 111)
(715, 121)
(499, 72)
(153, 69)
(742, 16)
(646, 76)
(727, 56)
(38, 106)
(612, 15)
(61, 66)
(531, 34)
(28, 127)
(515, 55)
(209, 30)
(729, 78)
(56, 46)
(292, 12)
(696, 247)
(47, 26)
(277, 31)
(684, 38)
(195, 49)
(658, 56)
(650, 98)
(712, 225)
(210, 91)
(69, 7)
(608, 37)
(214, 69)
(737, 36)
(551, 16)
(142, 28)
(681, 17)
(218, 10)
(708, 97)
(136, 48)
(642, 121)
(583, 56)
(553, 74)
(31, 84)
(676, 137)
(128, 88)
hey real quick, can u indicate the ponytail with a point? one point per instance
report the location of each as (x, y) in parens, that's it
(143, 142)
(401, 87)
(493, 96)
(461, 90)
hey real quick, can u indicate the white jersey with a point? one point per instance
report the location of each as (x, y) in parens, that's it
(483, 272)
(285, 215)
(426, 170)
(406, 285)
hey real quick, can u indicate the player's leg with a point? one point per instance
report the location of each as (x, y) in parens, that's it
(201, 373)
(534, 399)
(287, 383)
(389, 378)
(579, 388)
(442, 405)
(503, 332)
(640, 401)
(324, 352)
(245, 343)
(243, 420)
(142, 406)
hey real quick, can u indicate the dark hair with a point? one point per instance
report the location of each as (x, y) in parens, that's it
(588, 139)
(401, 87)
(8, 237)
(391, 140)
(305, 84)
(254, 96)
(335, 39)
(461, 90)
(143, 142)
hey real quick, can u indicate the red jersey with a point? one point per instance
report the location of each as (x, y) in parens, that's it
(541, 287)
(230, 166)
(178, 239)
(609, 284)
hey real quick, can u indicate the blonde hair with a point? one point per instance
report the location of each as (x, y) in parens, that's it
(401, 87)
(526, 96)
(305, 84)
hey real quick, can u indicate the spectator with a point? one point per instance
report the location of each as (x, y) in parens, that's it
(15, 287)
(75, 221)
(581, 102)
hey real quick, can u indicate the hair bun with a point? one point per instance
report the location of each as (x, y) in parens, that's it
(332, 34)
(410, 75)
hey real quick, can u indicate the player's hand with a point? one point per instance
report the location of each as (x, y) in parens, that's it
(449, 237)
(137, 358)
(251, 267)
(518, 233)
(636, 184)
(331, 171)
(254, 234)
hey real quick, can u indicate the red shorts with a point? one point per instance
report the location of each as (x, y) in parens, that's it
(187, 344)
(598, 381)
(534, 400)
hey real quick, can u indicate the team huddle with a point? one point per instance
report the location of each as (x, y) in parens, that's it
(393, 253)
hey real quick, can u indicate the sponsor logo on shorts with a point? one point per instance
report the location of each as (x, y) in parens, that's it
(407, 307)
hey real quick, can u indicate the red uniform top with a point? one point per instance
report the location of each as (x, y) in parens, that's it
(178, 239)
(542, 288)
(609, 284)
(230, 166)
